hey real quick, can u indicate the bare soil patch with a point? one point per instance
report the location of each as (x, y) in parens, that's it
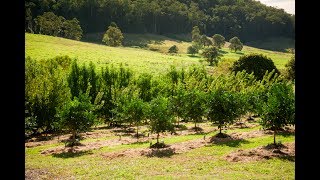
(168, 151)
(286, 151)
(36, 174)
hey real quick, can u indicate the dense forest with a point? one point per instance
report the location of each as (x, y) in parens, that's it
(247, 19)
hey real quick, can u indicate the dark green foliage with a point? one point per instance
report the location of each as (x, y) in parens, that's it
(82, 78)
(177, 105)
(195, 35)
(72, 29)
(132, 110)
(173, 49)
(113, 36)
(235, 44)
(161, 119)
(144, 85)
(256, 63)
(77, 115)
(218, 40)
(192, 50)
(212, 55)
(111, 81)
(279, 110)
(45, 90)
(194, 106)
(51, 24)
(223, 107)
(205, 41)
(291, 69)
(249, 20)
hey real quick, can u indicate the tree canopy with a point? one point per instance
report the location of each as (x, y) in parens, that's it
(247, 19)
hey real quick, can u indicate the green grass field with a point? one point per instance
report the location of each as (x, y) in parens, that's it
(206, 162)
(134, 55)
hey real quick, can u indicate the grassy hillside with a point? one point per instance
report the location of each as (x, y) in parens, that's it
(139, 56)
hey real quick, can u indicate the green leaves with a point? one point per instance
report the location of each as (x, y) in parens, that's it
(257, 64)
(212, 55)
(279, 109)
(235, 44)
(161, 119)
(113, 36)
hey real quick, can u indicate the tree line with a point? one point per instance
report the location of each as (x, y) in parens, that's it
(63, 95)
(247, 19)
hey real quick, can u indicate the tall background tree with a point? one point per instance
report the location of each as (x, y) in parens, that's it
(212, 55)
(113, 36)
(218, 40)
(235, 44)
(247, 19)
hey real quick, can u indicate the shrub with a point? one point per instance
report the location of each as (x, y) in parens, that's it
(290, 69)
(258, 64)
(173, 49)
(192, 50)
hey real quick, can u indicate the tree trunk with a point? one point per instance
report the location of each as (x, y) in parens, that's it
(274, 135)
(195, 125)
(73, 137)
(220, 128)
(158, 138)
(155, 24)
(137, 133)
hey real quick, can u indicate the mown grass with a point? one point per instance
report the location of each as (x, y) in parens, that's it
(205, 162)
(138, 59)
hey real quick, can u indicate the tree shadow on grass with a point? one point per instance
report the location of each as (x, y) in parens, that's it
(287, 157)
(222, 51)
(238, 52)
(193, 56)
(167, 152)
(286, 133)
(71, 154)
(233, 143)
(226, 140)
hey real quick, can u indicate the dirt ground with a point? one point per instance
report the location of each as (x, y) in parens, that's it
(287, 151)
(176, 148)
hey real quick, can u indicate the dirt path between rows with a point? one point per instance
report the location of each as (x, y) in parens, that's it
(173, 149)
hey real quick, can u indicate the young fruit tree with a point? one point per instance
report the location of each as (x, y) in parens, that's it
(161, 119)
(134, 111)
(223, 107)
(279, 110)
(194, 106)
(77, 116)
